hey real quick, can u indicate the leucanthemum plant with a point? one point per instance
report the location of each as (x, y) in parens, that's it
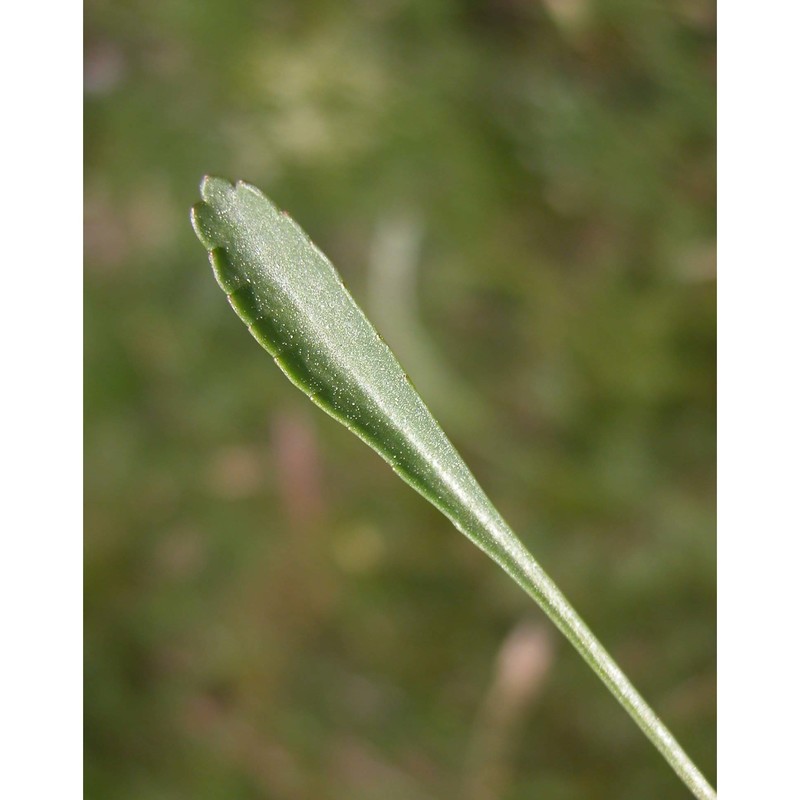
(294, 303)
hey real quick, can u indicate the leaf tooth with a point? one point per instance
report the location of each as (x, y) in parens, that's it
(248, 187)
(228, 276)
(244, 303)
(218, 192)
(199, 215)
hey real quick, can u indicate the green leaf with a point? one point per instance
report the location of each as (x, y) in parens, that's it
(294, 303)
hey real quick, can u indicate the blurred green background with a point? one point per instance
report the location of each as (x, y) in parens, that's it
(521, 195)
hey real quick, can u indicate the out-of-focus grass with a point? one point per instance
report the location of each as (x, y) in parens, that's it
(262, 619)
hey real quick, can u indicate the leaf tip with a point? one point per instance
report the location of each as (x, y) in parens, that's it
(216, 191)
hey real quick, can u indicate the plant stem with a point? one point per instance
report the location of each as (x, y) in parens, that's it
(502, 545)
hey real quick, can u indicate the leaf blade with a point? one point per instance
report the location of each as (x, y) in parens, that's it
(296, 306)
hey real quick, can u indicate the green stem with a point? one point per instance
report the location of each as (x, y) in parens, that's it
(500, 543)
